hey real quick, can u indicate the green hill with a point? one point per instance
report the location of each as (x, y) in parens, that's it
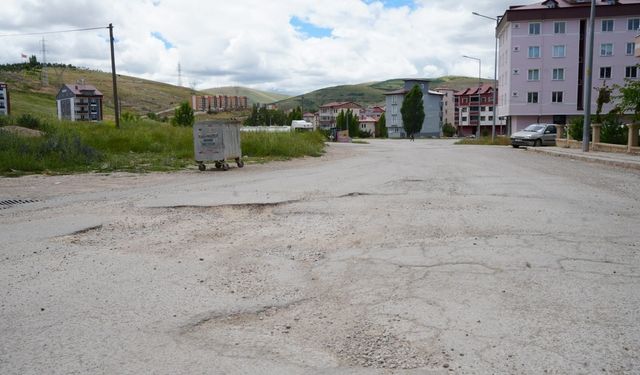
(371, 93)
(253, 96)
(136, 95)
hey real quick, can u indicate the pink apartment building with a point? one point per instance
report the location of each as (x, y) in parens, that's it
(542, 57)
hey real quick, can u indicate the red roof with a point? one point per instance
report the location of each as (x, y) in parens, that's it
(567, 4)
(341, 105)
(83, 90)
(484, 89)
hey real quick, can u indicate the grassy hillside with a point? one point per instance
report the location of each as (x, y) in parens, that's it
(254, 96)
(371, 93)
(136, 95)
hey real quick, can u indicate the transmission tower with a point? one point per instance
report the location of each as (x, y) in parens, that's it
(45, 75)
(179, 75)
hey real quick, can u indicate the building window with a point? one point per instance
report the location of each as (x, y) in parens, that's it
(532, 97)
(558, 74)
(559, 51)
(607, 26)
(605, 72)
(606, 49)
(633, 24)
(534, 28)
(534, 52)
(556, 97)
(559, 27)
(631, 47)
(490, 118)
(631, 72)
(533, 75)
(483, 118)
(464, 119)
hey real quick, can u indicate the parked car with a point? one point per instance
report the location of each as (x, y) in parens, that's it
(535, 135)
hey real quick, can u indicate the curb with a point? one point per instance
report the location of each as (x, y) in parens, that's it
(589, 158)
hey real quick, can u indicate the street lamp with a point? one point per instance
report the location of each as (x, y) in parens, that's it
(479, 87)
(495, 73)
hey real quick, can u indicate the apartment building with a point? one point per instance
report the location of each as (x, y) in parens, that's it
(79, 102)
(448, 104)
(542, 56)
(473, 108)
(329, 112)
(206, 103)
(5, 105)
(432, 101)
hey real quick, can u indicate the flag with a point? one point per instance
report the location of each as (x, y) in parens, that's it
(24, 56)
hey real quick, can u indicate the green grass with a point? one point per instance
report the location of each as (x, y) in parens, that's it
(282, 145)
(138, 146)
(485, 141)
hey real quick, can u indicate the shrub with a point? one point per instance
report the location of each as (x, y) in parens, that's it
(29, 121)
(448, 130)
(183, 115)
(613, 130)
(364, 134)
(575, 128)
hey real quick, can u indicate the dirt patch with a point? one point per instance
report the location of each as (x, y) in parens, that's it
(22, 131)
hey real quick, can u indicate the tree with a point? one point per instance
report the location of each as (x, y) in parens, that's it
(381, 127)
(341, 122)
(604, 96)
(33, 61)
(629, 98)
(183, 116)
(295, 114)
(412, 111)
(353, 124)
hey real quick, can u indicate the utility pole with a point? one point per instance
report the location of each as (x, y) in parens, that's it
(113, 75)
(45, 76)
(587, 85)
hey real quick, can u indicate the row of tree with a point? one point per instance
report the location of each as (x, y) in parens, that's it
(261, 116)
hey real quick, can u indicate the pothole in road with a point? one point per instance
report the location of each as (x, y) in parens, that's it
(379, 348)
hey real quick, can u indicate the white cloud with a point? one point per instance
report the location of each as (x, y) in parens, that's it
(252, 43)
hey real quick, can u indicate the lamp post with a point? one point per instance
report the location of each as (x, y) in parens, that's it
(479, 87)
(495, 73)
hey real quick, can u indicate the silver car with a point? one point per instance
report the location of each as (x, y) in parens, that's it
(535, 135)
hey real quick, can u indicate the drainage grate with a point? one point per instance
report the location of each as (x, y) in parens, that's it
(8, 203)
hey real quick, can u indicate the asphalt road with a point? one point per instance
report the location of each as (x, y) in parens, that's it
(392, 257)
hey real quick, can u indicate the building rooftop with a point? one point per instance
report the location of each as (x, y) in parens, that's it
(80, 90)
(340, 104)
(484, 89)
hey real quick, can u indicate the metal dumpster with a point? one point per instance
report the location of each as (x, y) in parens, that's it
(217, 142)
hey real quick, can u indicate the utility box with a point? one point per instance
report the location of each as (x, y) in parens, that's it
(216, 142)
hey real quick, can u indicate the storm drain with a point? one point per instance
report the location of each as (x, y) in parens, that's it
(8, 203)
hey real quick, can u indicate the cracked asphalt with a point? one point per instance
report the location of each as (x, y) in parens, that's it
(394, 257)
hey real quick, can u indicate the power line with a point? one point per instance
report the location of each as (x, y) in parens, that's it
(53, 32)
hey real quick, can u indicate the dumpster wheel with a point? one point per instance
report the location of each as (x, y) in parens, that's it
(218, 165)
(239, 162)
(202, 167)
(225, 166)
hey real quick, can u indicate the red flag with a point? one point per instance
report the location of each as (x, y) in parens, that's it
(24, 56)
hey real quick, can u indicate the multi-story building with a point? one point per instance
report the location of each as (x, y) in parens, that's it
(206, 103)
(79, 102)
(473, 107)
(448, 105)
(311, 117)
(5, 105)
(543, 50)
(329, 112)
(432, 101)
(368, 125)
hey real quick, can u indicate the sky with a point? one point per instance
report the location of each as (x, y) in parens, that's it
(286, 46)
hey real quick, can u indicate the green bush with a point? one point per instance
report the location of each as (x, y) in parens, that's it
(29, 121)
(613, 130)
(183, 115)
(575, 128)
(6, 120)
(448, 130)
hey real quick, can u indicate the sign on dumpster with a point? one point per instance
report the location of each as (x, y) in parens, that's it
(209, 142)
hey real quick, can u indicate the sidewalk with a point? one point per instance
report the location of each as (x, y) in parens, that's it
(608, 158)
